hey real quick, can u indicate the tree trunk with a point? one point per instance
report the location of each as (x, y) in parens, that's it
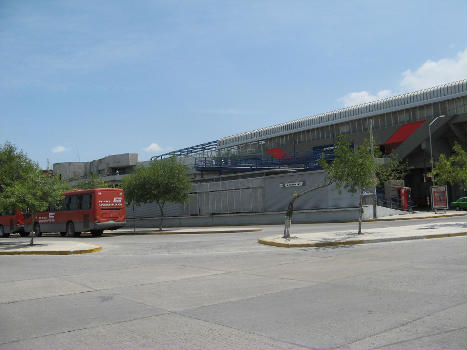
(361, 213)
(161, 208)
(288, 218)
(33, 232)
(289, 213)
(134, 219)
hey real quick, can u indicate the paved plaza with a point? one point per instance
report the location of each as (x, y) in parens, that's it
(227, 291)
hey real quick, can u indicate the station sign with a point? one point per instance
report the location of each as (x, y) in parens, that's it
(292, 184)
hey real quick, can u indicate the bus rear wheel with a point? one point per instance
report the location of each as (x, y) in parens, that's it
(63, 234)
(24, 233)
(96, 233)
(70, 230)
(37, 230)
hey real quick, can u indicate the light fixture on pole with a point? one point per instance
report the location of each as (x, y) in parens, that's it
(431, 147)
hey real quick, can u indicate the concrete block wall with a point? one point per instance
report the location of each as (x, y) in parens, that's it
(116, 161)
(71, 170)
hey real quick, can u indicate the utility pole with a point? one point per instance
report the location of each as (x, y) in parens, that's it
(374, 175)
(431, 147)
(432, 163)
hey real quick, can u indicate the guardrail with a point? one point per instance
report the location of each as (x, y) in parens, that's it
(250, 163)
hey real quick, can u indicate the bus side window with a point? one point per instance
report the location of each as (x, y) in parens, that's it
(67, 205)
(86, 203)
(75, 202)
(60, 205)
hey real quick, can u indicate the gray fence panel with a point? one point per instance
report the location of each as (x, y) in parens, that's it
(277, 198)
(151, 210)
(253, 196)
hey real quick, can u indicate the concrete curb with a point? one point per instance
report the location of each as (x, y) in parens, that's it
(53, 252)
(414, 218)
(188, 232)
(354, 242)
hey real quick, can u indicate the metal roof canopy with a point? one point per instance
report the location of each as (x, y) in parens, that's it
(386, 105)
(208, 146)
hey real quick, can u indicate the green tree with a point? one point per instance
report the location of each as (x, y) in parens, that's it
(392, 168)
(14, 165)
(92, 180)
(452, 170)
(353, 169)
(164, 180)
(31, 194)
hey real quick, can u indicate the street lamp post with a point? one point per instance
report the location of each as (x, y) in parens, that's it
(431, 147)
(431, 153)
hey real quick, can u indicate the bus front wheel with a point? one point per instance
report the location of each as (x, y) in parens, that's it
(97, 233)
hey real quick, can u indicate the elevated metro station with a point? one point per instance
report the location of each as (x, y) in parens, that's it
(399, 124)
(250, 177)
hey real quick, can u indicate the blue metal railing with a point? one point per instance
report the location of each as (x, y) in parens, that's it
(306, 161)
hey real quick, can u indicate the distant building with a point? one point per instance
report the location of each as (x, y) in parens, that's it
(110, 168)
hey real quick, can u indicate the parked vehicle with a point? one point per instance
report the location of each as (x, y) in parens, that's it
(93, 210)
(12, 223)
(460, 204)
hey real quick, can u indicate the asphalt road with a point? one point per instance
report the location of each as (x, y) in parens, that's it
(226, 291)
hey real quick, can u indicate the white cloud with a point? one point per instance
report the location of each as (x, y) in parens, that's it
(153, 147)
(59, 149)
(432, 73)
(429, 74)
(359, 97)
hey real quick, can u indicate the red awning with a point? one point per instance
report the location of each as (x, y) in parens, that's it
(401, 135)
(404, 132)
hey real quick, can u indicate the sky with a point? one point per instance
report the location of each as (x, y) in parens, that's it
(80, 80)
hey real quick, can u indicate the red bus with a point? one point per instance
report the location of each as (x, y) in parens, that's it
(93, 210)
(11, 223)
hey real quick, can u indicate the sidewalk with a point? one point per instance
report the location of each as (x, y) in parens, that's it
(10, 246)
(183, 230)
(421, 215)
(375, 235)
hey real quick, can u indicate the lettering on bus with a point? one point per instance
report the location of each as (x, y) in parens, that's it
(46, 218)
(117, 202)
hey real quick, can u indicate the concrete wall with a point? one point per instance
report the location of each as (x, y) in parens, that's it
(107, 165)
(299, 217)
(110, 163)
(306, 216)
(277, 196)
(265, 194)
(71, 170)
(380, 212)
